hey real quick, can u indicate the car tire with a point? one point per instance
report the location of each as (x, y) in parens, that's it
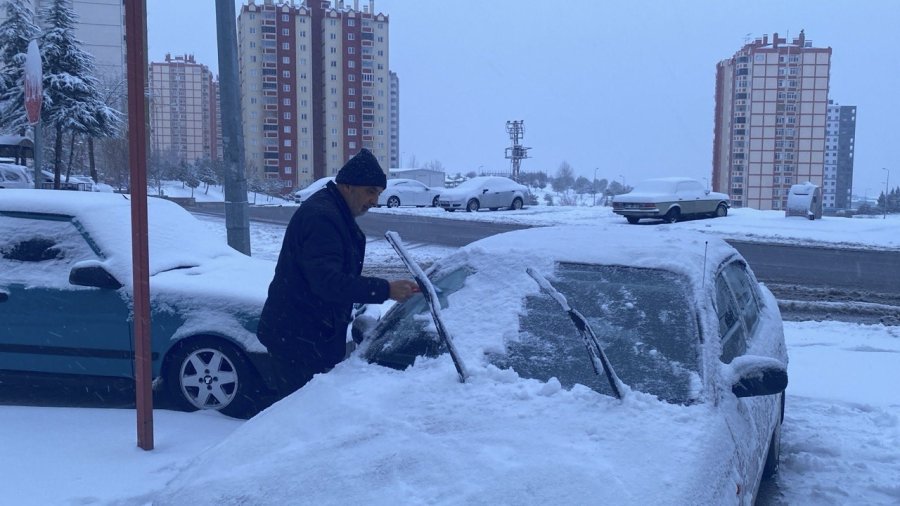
(516, 204)
(773, 456)
(226, 383)
(721, 211)
(393, 201)
(632, 219)
(434, 203)
(472, 205)
(672, 215)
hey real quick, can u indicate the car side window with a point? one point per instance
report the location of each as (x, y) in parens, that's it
(745, 293)
(40, 251)
(731, 328)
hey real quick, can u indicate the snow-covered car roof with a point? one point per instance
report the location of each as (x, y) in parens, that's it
(184, 255)
(369, 434)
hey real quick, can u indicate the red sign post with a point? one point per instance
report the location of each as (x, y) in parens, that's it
(34, 91)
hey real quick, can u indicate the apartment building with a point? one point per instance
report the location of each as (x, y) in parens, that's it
(395, 120)
(315, 87)
(770, 120)
(839, 144)
(184, 108)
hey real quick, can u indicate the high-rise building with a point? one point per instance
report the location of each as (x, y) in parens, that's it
(839, 145)
(770, 120)
(395, 120)
(101, 29)
(315, 87)
(184, 110)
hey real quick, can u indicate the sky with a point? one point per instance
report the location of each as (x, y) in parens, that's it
(384, 436)
(626, 88)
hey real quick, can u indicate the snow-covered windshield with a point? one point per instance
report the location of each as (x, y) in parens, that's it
(643, 319)
(654, 186)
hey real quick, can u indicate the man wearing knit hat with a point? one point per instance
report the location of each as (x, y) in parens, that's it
(318, 277)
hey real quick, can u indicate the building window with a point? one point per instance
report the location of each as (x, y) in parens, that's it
(285, 32)
(285, 18)
(287, 156)
(351, 50)
(351, 22)
(351, 64)
(287, 115)
(351, 78)
(286, 60)
(351, 91)
(351, 118)
(351, 105)
(286, 74)
(351, 145)
(287, 143)
(350, 36)
(285, 101)
(351, 131)
(287, 129)
(285, 45)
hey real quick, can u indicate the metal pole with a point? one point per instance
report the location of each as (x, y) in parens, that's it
(38, 154)
(237, 219)
(136, 68)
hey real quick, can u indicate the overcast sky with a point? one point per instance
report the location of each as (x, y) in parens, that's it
(623, 87)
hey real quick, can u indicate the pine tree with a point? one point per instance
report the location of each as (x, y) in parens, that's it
(16, 32)
(75, 102)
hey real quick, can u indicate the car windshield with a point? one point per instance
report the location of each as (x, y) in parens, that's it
(643, 319)
(653, 187)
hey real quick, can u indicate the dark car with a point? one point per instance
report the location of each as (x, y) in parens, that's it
(66, 298)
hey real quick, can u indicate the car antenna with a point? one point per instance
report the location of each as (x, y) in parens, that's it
(705, 248)
(431, 298)
(598, 356)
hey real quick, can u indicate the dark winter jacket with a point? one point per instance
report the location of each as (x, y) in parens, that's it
(317, 279)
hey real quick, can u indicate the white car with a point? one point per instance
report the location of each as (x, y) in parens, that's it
(15, 176)
(491, 192)
(697, 346)
(305, 193)
(670, 199)
(408, 192)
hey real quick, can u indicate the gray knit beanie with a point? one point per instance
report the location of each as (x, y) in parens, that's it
(362, 170)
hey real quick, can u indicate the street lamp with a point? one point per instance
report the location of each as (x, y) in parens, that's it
(594, 189)
(886, 179)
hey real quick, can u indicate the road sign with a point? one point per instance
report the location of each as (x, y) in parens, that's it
(33, 85)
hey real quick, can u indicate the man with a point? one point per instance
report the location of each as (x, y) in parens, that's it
(318, 277)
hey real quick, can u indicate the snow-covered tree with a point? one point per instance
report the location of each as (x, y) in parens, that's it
(16, 31)
(76, 105)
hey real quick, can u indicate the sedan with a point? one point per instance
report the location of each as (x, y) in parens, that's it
(670, 199)
(491, 192)
(408, 192)
(15, 176)
(695, 349)
(66, 299)
(301, 195)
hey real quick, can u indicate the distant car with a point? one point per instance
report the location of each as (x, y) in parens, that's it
(491, 192)
(72, 182)
(66, 298)
(697, 344)
(670, 199)
(408, 192)
(303, 194)
(15, 176)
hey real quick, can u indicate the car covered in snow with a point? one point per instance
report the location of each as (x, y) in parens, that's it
(66, 298)
(408, 192)
(484, 192)
(670, 390)
(670, 199)
(15, 176)
(301, 195)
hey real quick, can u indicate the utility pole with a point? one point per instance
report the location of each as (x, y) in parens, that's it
(237, 220)
(516, 152)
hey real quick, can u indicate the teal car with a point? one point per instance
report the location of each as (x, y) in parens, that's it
(66, 305)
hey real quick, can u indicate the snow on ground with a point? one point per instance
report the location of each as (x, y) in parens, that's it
(841, 440)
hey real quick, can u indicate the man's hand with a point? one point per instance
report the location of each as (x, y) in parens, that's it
(403, 289)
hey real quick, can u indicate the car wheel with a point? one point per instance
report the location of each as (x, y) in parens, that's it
(434, 203)
(393, 201)
(721, 211)
(472, 205)
(209, 373)
(632, 219)
(516, 204)
(772, 457)
(672, 216)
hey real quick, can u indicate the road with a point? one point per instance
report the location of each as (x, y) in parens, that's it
(813, 275)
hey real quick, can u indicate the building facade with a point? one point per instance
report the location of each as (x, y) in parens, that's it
(184, 109)
(839, 146)
(395, 120)
(770, 120)
(315, 87)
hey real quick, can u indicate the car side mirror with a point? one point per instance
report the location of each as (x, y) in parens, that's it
(485, 190)
(92, 273)
(753, 376)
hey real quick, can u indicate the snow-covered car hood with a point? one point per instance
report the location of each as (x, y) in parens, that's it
(379, 436)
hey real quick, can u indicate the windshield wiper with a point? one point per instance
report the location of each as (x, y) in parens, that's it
(598, 356)
(431, 298)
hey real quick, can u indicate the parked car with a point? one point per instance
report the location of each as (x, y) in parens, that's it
(15, 176)
(491, 192)
(66, 298)
(408, 192)
(670, 199)
(305, 193)
(698, 345)
(72, 182)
